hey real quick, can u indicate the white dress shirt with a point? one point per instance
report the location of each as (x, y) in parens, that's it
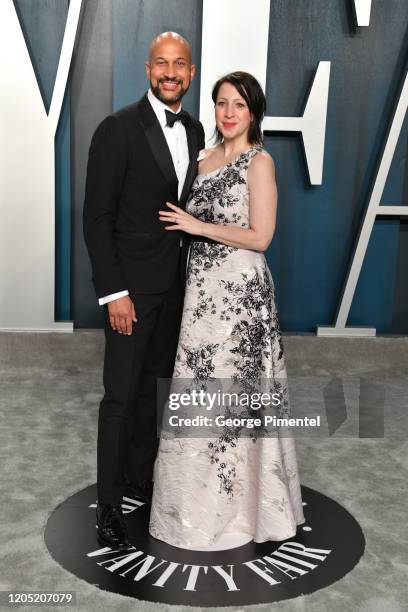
(176, 139)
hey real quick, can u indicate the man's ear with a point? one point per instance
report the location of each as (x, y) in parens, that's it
(192, 71)
(147, 67)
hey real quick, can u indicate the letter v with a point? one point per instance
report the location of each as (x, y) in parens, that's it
(27, 182)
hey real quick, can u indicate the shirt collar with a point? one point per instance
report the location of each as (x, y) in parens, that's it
(159, 108)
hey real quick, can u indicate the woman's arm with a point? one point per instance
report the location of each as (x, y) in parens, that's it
(262, 212)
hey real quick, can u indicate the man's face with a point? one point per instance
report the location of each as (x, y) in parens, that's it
(170, 71)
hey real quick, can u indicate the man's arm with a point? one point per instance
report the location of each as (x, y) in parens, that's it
(105, 174)
(113, 296)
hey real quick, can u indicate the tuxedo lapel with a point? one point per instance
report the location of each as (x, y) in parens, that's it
(158, 144)
(192, 166)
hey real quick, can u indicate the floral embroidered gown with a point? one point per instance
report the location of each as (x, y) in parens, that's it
(207, 488)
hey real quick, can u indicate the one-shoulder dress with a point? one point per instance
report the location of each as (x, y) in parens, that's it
(209, 490)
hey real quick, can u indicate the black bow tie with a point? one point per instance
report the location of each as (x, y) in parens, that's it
(182, 116)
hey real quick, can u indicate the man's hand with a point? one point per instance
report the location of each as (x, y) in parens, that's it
(121, 314)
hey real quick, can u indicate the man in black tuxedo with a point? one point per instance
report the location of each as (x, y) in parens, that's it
(139, 158)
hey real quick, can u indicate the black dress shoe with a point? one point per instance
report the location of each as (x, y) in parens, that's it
(142, 490)
(111, 526)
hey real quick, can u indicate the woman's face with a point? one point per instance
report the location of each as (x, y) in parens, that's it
(232, 114)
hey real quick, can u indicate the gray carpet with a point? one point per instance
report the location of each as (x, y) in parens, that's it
(50, 389)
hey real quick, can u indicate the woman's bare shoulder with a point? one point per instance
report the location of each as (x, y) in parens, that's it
(262, 162)
(206, 153)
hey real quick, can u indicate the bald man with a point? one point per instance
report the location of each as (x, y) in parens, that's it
(139, 158)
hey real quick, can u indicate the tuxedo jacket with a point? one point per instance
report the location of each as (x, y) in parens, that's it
(130, 176)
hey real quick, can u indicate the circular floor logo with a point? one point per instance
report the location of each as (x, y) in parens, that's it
(324, 549)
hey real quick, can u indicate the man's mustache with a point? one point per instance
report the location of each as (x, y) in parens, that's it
(164, 80)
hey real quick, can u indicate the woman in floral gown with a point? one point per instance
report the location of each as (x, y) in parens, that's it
(223, 491)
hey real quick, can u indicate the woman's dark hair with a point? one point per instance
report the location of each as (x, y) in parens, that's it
(248, 87)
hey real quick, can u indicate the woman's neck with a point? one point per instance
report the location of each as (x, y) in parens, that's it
(234, 146)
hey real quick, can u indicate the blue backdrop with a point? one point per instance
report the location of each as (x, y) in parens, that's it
(317, 226)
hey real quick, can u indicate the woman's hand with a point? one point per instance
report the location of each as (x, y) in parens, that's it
(181, 220)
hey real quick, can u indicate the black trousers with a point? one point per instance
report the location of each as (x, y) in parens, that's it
(127, 426)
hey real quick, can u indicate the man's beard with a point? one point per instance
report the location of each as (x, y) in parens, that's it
(177, 97)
